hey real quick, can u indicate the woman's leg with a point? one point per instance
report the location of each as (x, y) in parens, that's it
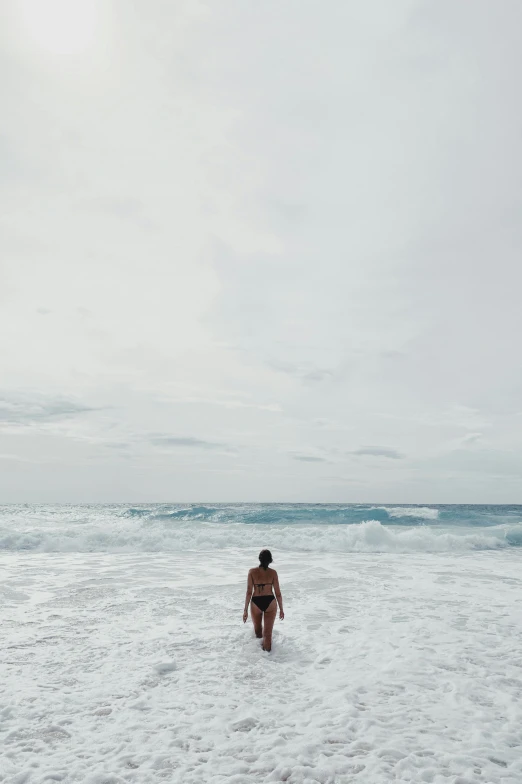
(270, 616)
(257, 619)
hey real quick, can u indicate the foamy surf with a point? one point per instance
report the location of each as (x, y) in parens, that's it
(420, 512)
(162, 528)
(137, 669)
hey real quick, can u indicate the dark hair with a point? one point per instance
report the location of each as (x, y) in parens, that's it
(265, 558)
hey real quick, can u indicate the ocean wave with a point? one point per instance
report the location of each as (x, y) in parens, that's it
(315, 514)
(418, 512)
(165, 512)
(285, 514)
(367, 537)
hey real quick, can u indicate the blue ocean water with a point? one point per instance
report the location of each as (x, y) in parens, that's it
(335, 514)
(323, 527)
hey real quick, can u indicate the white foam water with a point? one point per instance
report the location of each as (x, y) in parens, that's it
(399, 658)
(423, 512)
(137, 668)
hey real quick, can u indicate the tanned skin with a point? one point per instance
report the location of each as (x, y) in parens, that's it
(263, 621)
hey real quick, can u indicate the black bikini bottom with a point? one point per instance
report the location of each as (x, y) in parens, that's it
(263, 602)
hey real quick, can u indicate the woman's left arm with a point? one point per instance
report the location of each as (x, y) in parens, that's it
(277, 591)
(248, 596)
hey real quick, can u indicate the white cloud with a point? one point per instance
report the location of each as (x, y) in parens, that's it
(293, 232)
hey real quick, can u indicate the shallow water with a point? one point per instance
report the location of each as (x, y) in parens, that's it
(136, 667)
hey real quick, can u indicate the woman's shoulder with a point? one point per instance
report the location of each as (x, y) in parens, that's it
(258, 569)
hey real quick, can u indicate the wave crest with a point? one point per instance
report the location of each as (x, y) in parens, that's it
(420, 512)
(367, 537)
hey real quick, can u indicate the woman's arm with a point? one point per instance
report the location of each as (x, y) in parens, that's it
(249, 591)
(277, 591)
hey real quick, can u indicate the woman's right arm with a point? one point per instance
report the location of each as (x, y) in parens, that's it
(277, 591)
(248, 596)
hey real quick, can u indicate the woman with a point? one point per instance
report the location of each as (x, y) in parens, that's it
(263, 608)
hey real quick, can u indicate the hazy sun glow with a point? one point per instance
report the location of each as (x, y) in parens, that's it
(61, 27)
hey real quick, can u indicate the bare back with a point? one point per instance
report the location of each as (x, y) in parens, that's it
(262, 581)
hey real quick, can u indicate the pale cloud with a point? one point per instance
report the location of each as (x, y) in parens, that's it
(16, 459)
(471, 438)
(303, 372)
(378, 451)
(284, 243)
(34, 410)
(310, 458)
(184, 441)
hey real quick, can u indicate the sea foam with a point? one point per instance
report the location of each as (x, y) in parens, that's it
(422, 512)
(371, 536)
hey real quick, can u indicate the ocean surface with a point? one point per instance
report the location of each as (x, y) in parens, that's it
(289, 527)
(125, 660)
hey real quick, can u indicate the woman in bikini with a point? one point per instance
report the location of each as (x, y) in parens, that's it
(263, 608)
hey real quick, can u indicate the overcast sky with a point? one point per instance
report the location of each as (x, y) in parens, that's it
(260, 250)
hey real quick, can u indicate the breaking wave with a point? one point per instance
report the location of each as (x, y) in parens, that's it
(417, 512)
(366, 537)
